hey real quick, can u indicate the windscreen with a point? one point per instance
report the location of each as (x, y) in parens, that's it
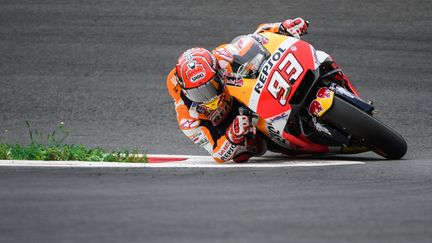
(249, 56)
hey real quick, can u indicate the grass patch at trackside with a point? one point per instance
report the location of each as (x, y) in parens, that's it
(50, 147)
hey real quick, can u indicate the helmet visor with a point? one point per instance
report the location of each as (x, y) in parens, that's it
(205, 93)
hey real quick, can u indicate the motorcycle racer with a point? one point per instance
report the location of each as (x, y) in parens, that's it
(206, 113)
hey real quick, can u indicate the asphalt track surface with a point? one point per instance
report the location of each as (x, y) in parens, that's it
(100, 67)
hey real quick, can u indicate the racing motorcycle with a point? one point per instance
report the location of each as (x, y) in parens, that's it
(302, 103)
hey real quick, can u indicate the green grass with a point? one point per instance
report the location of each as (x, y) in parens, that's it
(50, 147)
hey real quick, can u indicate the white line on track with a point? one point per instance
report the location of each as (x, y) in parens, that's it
(183, 161)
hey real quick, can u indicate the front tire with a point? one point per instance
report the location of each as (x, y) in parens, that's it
(379, 137)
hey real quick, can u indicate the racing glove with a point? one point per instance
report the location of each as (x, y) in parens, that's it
(294, 27)
(236, 132)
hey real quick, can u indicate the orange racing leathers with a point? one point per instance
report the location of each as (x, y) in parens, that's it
(207, 128)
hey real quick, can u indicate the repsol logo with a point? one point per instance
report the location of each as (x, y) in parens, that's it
(225, 154)
(267, 68)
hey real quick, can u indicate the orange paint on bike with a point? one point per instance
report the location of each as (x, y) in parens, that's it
(244, 92)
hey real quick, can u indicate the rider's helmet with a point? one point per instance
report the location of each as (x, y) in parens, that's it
(197, 70)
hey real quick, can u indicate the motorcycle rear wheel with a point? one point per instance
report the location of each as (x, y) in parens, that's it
(380, 138)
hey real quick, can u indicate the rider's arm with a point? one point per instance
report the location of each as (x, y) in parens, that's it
(202, 132)
(293, 27)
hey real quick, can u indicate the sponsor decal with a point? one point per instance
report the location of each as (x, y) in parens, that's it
(266, 69)
(233, 81)
(200, 139)
(227, 151)
(279, 69)
(315, 108)
(189, 123)
(322, 103)
(324, 93)
(274, 134)
(197, 77)
(279, 117)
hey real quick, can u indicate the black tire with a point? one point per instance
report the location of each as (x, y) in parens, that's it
(380, 138)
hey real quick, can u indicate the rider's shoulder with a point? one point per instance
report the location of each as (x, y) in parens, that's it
(172, 83)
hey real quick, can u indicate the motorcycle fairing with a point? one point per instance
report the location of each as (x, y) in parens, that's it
(269, 93)
(281, 74)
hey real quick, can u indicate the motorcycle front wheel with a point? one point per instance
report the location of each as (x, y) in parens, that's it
(379, 137)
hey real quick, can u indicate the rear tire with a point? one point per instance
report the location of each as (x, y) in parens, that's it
(380, 138)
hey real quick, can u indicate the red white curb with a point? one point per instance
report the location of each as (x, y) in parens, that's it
(183, 161)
